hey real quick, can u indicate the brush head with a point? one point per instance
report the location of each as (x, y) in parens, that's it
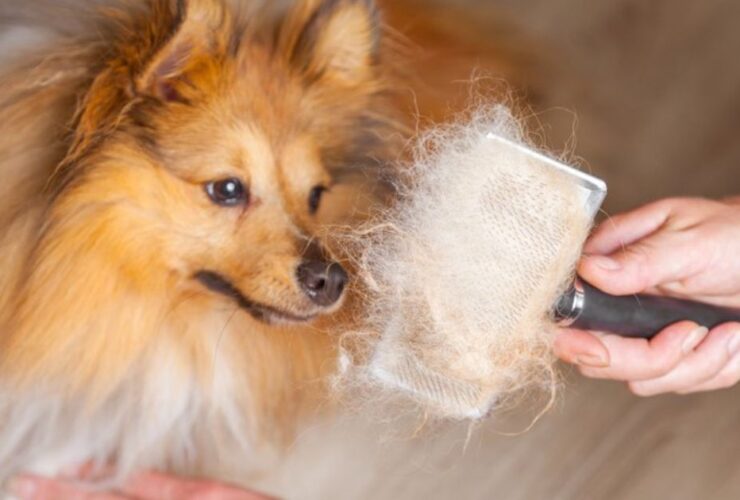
(465, 269)
(590, 189)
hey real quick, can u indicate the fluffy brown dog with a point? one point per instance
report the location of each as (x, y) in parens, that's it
(166, 297)
(165, 294)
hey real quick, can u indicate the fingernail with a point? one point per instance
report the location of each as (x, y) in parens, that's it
(693, 339)
(593, 360)
(605, 263)
(733, 345)
(22, 487)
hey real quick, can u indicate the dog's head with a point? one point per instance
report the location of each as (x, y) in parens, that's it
(227, 149)
(207, 156)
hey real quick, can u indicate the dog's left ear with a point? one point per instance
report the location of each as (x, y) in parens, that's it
(333, 41)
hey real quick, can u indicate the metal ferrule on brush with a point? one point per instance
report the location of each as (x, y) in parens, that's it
(570, 305)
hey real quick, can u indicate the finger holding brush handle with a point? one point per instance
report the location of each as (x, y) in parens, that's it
(672, 250)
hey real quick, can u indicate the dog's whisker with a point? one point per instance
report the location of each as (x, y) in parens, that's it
(218, 343)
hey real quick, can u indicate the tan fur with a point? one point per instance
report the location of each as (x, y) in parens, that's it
(105, 218)
(106, 142)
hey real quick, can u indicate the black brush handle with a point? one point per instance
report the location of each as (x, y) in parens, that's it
(639, 316)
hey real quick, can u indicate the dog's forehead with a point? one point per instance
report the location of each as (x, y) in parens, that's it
(264, 80)
(240, 145)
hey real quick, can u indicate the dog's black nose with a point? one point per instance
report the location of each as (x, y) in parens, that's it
(323, 282)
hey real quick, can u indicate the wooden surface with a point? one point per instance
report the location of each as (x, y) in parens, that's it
(600, 443)
(653, 92)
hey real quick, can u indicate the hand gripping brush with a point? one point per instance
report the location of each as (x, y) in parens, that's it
(474, 269)
(585, 307)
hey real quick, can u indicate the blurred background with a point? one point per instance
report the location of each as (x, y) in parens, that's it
(647, 95)
(654, 88)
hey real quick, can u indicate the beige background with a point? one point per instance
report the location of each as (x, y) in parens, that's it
(655, 88)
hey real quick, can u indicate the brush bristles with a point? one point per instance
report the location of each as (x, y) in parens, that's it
(463, 272)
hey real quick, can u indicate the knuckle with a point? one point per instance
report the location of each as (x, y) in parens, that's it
(637, 255)
(664, 205)
(638, 261)
(663, 364)
(674, 203)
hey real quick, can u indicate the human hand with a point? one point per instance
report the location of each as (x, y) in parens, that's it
(146, 486)
(687, 248)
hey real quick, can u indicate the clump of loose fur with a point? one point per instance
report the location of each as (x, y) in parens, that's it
(462, 273)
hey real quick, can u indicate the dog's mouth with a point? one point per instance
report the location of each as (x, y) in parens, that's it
(217, 283)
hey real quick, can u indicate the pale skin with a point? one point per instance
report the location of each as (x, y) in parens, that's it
(146, 486)
(685, 247)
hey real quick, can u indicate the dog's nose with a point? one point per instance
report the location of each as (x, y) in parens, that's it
(322, 282)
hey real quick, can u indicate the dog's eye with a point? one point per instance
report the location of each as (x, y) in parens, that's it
(227, 192)
(314, 198)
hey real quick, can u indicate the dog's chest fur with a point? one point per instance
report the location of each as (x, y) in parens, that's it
(164, 416)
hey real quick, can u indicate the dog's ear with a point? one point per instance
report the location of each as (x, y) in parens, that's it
(336, 41)
(194, 34)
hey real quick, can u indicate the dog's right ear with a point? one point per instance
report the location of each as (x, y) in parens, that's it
(333, 41)
(194, 32)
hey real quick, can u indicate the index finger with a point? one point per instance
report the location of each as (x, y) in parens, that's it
(622, 230)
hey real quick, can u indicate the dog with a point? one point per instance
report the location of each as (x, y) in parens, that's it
(166, 295)
(172, 171)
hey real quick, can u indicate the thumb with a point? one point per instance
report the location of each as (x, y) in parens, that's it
(660, 258)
